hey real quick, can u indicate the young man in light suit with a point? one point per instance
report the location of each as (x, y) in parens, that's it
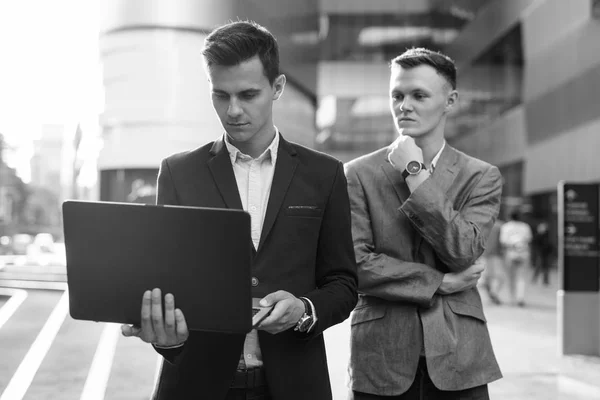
(421, 213)
(303, 261)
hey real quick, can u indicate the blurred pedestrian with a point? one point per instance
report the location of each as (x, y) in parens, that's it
(515, 237)
(542, 249)
(303, 262)
(494, 275)
(421, 214)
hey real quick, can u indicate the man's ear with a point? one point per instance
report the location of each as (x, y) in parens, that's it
(451, 100)
(278, 86)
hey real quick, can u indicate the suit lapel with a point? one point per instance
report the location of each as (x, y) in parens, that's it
(282, 177)
(445, 170)
(222, 171)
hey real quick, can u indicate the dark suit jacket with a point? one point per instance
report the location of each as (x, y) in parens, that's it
(404, 243)
(306, 251)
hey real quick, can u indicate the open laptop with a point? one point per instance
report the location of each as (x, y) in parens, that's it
(116, 251)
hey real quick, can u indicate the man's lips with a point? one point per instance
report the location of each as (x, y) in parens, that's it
(406, 120)
(237, 123)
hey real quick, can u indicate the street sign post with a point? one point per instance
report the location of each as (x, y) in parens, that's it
(579, 268)
(579, 237)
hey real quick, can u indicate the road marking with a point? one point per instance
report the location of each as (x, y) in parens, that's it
(32, 284)
(159, 360)
(18, 385)
(97, 379)
(17, 296)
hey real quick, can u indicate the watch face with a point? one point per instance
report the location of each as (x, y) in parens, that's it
(413, 167)
(304, 323)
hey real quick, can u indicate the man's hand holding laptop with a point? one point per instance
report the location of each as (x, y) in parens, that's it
(167, 331)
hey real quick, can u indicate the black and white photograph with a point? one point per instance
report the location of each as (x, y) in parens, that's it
(299, 200)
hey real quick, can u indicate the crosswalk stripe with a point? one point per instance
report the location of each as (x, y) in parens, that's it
(97, 379)
(17, 296)
(18, 385)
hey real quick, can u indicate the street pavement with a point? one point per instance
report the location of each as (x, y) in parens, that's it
(45, 354)
(526, 347)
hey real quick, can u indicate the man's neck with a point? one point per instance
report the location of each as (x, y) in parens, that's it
(258, 144)
(430, 146)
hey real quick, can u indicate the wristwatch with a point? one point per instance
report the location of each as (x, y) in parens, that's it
(307, 318)
(413, 168)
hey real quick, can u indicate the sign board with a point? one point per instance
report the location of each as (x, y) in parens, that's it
(579, 236)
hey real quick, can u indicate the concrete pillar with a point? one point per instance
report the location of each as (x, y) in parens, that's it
(156, 92)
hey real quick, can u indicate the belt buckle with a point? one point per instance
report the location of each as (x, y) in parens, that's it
(248, 378)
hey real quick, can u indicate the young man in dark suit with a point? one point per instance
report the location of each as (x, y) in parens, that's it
(303, 262)
(421, 213)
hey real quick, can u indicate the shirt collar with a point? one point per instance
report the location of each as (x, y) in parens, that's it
(235, 154)
(437, 156)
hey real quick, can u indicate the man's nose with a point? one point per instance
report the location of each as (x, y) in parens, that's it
(234, 109)
(405, 105)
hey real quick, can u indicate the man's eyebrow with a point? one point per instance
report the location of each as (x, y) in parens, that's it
(246, 91)
(412, 90)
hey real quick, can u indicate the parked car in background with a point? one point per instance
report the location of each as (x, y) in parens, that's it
(20, 243)
(5, 245)
(24, 249)
(14, 249)
(45, 251)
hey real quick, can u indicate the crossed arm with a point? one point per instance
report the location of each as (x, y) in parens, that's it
(457, 235)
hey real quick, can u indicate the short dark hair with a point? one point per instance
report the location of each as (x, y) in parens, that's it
(416, 56)
(235, 42)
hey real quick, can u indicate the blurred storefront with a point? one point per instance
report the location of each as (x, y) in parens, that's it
(541, 124)
(528, 74)
(157, 100)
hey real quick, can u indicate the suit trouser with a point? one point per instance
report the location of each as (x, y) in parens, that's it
(423, 388)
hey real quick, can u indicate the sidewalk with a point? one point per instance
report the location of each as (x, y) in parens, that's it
(526, 344)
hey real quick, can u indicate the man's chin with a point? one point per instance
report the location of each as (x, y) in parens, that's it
(408, 132)
(237, 136)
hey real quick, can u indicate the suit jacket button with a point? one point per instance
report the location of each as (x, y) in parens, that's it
(254, 281)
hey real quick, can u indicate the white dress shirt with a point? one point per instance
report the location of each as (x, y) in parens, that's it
(436, 158)
(254, 177)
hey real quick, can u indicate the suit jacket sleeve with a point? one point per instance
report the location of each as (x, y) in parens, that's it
(457, 236)
(166, 194)
(380, 275)
(335, 295)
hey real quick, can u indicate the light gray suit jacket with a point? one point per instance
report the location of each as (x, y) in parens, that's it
(404, 243)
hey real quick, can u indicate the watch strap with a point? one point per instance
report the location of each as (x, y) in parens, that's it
(307, 307)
